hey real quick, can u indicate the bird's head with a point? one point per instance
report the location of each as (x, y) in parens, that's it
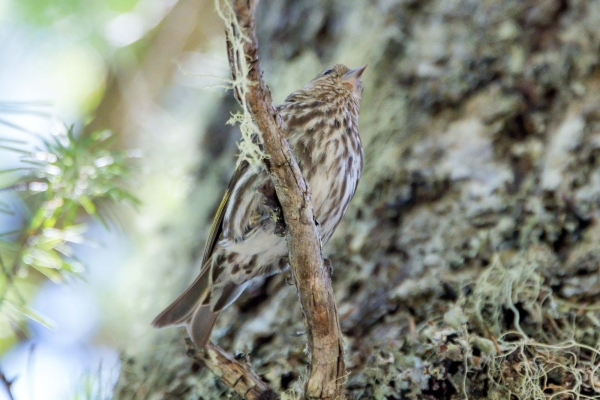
(337, 81)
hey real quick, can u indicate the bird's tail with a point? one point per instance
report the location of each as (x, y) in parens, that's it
(183, 309)
(191, 309)
(198, 307)
(201, 324)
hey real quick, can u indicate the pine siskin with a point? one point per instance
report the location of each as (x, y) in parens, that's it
(245, 241)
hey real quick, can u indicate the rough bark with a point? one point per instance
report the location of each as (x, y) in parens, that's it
(468, 262)
(236, 375)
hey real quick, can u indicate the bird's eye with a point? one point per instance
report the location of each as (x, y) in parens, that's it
(327, 72)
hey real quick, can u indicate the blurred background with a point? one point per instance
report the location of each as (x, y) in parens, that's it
(467, 263)
(150, 74)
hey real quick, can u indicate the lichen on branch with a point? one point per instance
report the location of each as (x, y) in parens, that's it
(250, 145)
(327, 372)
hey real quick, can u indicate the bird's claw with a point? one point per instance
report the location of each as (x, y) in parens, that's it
(328, 265)
(289, 279)
(191, 350)
(280, 227)
(275, 212)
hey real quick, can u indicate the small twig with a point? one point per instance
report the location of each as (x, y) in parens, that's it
(492, 338)
(7, 384)
(327, 369)
(238, 376)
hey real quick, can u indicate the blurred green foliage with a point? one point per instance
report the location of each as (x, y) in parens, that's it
(68, 178)
(91, 387)
(47, 12)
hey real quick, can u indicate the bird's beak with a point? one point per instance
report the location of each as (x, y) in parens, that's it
(352, 77)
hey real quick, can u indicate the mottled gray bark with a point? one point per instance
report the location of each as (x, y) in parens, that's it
(468, 261)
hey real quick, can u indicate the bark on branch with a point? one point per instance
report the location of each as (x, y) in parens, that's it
(238, 376)
(327, 369)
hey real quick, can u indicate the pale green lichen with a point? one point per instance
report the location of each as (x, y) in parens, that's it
(249, 145)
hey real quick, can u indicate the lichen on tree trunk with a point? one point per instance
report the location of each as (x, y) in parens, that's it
(468, 261)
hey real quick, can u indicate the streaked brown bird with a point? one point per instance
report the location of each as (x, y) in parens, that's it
(245, 241)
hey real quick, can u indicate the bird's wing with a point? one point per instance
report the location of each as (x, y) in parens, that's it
(217, 225)
(186, 306)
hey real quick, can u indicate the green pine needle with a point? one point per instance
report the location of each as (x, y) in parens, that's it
(68, 178)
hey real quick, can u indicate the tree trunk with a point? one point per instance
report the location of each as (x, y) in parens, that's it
(467, 264)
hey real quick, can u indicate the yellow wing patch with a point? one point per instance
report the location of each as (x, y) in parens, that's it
(217, 225)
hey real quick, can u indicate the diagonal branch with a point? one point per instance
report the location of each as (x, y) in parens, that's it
(327, 371)
(238, 376)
